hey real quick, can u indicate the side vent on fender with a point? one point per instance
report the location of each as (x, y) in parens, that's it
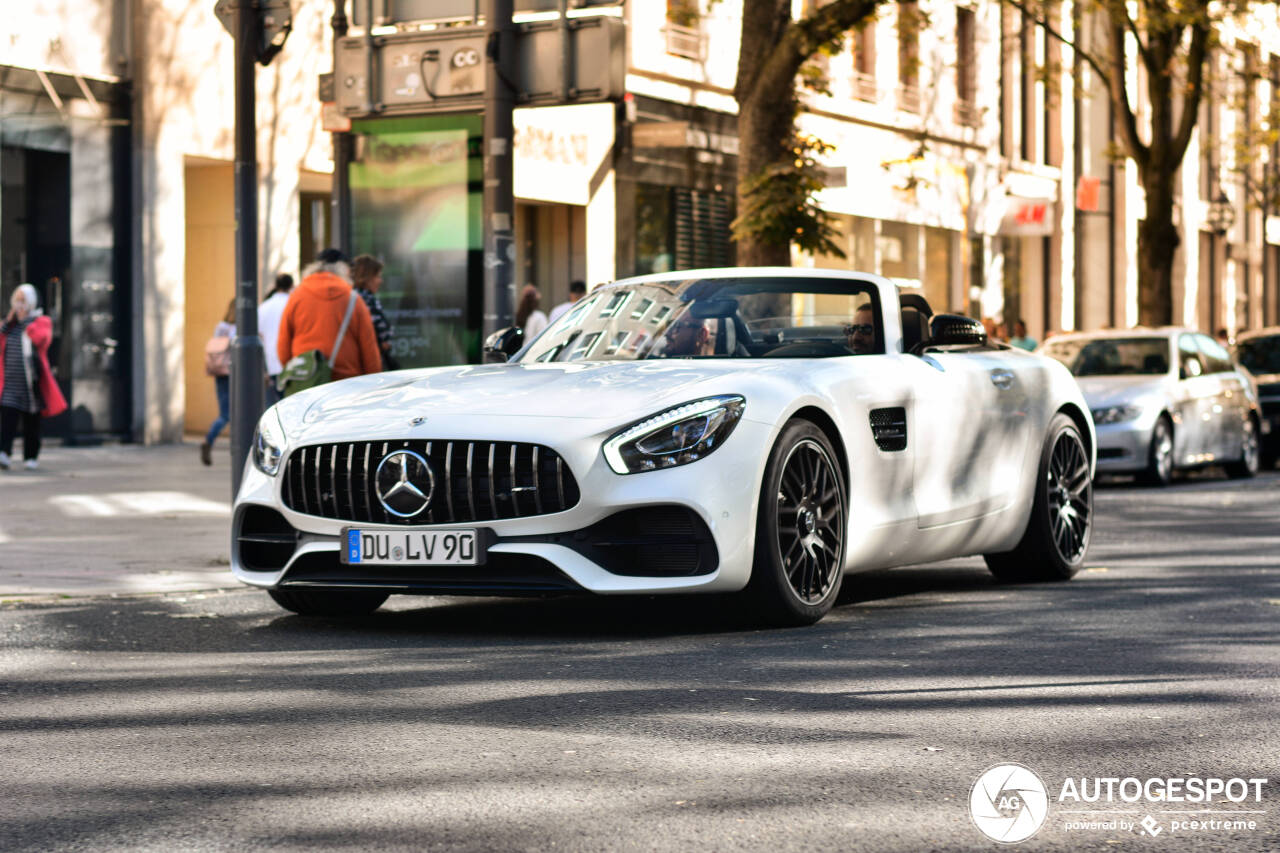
(889, 428)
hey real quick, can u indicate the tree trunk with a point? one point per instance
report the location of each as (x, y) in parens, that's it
(1158, 243)
(770, 53)
(764, 131)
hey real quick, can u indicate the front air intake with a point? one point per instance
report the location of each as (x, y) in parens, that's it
(889, 428)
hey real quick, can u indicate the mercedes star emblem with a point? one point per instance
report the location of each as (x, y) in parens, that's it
(404, 483)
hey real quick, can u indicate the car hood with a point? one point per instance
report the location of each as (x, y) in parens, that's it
(587, 392)
(1103, 391)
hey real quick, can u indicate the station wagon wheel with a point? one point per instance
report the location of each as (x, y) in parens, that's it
(1250, 455)
(1056, 539)
(800, 529)
(1159, 471)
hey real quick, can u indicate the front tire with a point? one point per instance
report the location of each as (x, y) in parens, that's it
(329, 602)
(1159, 470)
(800, 530)
(1057, 536)
(1247, 464)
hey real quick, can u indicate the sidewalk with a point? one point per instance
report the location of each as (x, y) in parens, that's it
(123, 519)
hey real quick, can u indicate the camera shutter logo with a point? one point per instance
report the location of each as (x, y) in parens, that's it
(404, 483)
(1008, 803)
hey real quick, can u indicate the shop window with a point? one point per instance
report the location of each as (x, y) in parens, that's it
(682, 229)
(702, 229)
(898, 245)
(653, 229)
(937, 268)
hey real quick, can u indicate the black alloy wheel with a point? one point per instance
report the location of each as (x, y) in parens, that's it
(1054, 545)
(800, 529)
(1069, 494)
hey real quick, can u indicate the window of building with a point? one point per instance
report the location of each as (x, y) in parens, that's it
(681, 229)
(817, 71)
(653, 229)
(684, 29)
(864, 62)
(966, 67)
(936, 269)
(909, 22)
(1208, 129)
(701, 237)
(1006, 82)
(1026, 78)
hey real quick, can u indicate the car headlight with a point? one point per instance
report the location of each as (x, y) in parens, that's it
(1116, 414)
(268, 443)
(675, 437)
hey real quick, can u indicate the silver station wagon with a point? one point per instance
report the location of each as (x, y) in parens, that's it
(1163, 399)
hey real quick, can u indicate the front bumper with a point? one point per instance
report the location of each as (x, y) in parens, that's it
(690, 528)
(1124, 447)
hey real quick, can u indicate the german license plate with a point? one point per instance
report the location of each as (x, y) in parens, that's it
(372, 547)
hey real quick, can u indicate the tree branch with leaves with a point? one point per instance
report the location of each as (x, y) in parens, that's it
(778, 169)
(1171, 40)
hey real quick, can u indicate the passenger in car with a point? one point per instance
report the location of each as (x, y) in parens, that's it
(861, 333)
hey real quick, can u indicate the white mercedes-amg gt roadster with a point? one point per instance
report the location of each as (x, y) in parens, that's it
(756, 431)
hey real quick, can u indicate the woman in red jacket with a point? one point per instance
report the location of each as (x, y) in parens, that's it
(28, 390)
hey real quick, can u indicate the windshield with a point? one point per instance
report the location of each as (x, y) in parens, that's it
(1112, 356)
(1260, 355)
(717, 318)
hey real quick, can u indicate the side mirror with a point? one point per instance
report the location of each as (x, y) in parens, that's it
(955, 330)
(503, 344)
(1190, 368)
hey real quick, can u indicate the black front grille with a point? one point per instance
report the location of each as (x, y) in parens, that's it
(474, 481)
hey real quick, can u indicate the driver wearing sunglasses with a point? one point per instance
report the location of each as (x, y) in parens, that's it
(860, 335)
(686, 336)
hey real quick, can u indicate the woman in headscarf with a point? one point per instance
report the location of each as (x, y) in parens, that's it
(28, 390)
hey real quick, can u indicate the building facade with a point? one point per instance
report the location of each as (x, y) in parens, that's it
(973, 159)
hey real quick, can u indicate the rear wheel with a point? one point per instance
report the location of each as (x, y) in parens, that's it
(1159, 471)
(328, 602)
(1250, 459)
(1057, 536)
(800, 530)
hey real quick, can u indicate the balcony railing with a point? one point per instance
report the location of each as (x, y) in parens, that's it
(864, 87)
(685, 41)
(968, 114)
(909, 99)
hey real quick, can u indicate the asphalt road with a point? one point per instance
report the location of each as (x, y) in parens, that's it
(217, 722)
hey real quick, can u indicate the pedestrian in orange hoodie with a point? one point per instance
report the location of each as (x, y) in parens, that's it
(314, 314)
